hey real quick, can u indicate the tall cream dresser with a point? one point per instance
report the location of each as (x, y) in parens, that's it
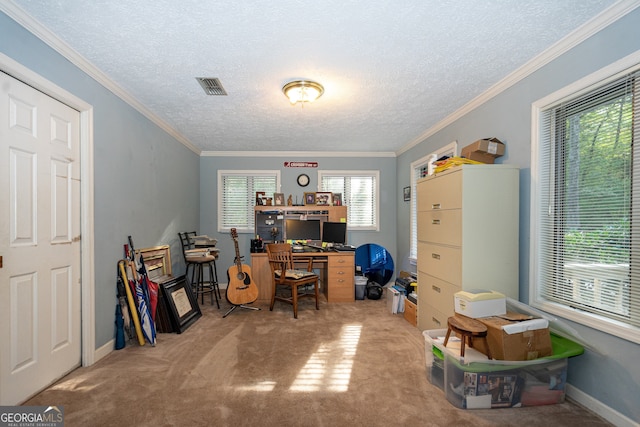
(467, 237)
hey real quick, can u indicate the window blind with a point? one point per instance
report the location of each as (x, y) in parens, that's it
(589, 215)
(237, 197)
(359, 192)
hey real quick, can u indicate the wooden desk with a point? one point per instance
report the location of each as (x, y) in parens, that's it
(337, 271)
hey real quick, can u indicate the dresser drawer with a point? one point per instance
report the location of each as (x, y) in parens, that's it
(440, 192)
(441, 226)
(443, 262)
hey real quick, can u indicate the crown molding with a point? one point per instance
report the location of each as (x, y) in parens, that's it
(40, 31)
(588, 29)
(297, 154)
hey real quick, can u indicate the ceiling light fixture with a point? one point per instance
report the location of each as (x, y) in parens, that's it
(302, 91)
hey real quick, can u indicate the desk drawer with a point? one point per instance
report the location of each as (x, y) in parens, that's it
(340, 285)
(345, 261)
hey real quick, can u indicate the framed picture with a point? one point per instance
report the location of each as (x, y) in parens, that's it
(309, 198)
(181, 303)
(337, 199)
(260, 199)
(278, 199)
(323, 198)
(407, 193)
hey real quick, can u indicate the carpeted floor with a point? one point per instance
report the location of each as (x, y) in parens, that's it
(346, 364)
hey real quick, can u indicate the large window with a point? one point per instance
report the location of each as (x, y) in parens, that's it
(237, 195)
(419, 170)
(586, 205)
(359, 191)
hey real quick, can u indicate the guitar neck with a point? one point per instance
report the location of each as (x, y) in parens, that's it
(238, 261)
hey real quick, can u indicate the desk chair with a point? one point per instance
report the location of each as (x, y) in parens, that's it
(281, 262)
(198, 259)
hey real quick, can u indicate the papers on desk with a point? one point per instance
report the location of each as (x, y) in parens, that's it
(295, 274)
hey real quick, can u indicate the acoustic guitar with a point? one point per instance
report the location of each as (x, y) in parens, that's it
(241, 289)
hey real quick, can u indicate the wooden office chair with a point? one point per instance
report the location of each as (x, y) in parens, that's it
(283, 274)
(197, 260)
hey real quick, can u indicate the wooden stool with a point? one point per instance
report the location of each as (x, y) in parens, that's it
(468, 329)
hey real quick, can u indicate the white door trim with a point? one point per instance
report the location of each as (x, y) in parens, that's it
(36, 81)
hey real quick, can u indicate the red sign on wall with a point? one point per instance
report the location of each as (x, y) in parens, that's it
(300, 164)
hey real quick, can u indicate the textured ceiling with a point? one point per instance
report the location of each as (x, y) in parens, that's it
(391, 69)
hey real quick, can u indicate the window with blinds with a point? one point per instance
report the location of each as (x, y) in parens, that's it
(359, 193)
(237, 197)
(588, 220)
(419, 169)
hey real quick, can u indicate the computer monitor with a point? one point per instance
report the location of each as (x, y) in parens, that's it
(334, 232)
(297, 229)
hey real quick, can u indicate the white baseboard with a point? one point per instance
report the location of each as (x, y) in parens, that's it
(104, 350)
(606, 412)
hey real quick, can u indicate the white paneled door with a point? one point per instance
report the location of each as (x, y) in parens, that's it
(39, 240)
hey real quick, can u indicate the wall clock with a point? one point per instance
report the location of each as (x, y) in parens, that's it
(303, 180)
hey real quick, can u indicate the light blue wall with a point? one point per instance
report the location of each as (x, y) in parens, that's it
(150, 186)
(209, 167)
(612, 373)
(141, 173)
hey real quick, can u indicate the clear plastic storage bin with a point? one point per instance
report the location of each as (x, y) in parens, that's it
(476, 382)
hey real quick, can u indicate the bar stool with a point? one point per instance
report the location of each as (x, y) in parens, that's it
(468, 329)
(199, 260)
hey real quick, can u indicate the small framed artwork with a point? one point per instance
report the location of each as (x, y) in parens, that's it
(407, 193)
(260, 199)
(181, 302)
(323, 198)
(309, 198)
(278, 199)
(337, 199)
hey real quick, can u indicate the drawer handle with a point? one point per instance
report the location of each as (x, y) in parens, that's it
(340, 280)
(435, 256)
(435, 320)
(435, 206)
(435, 222)
(340, 272)
(435, 288)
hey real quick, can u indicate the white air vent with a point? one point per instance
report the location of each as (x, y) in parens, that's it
(211, 85)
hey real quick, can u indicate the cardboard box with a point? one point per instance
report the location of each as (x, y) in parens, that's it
(410, 312)
(480, 303)
(516, 340)
(484, 150)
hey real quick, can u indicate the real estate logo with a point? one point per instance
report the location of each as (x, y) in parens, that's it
(31, 416)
